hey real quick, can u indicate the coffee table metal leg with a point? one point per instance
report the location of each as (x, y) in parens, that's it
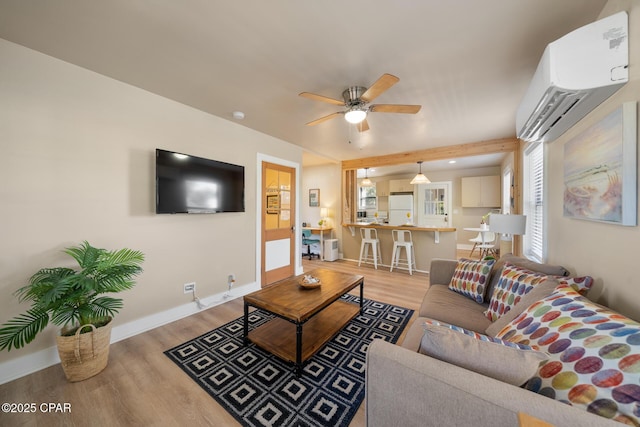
(361, 295)
(246, 323)
(298, 349)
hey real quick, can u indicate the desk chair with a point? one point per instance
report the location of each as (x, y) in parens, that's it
(307, 239)
(402, 239)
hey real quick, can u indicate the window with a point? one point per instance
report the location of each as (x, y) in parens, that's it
(507, 190)
(533, 202)
(367, 197)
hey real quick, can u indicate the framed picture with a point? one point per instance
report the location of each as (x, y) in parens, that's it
(600, 170)
(314, 197)
(273, 204)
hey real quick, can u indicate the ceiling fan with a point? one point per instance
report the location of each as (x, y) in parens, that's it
(356, 100)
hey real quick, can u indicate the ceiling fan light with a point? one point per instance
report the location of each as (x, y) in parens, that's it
(355, 116)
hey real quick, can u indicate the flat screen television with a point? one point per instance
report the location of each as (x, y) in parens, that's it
(190, 184)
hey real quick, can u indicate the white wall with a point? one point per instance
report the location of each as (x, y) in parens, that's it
(606, 252)
(78, 163)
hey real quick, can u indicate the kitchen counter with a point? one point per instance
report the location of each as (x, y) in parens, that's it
(398, 227)
(440, 244)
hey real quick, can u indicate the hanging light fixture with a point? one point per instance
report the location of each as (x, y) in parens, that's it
(420, 178)
(366, 182)
(355, 115)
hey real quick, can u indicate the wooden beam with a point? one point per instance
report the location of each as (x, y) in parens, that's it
(505, 145)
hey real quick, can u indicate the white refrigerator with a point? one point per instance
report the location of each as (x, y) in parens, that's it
(399, 206)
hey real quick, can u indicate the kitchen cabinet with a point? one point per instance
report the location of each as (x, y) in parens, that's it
(400, 186)
(481, 191)
(382, 188)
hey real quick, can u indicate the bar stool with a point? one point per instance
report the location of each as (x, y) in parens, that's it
(402, 239)
(369, 238)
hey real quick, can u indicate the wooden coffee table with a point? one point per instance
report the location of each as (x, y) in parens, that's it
(318, 310)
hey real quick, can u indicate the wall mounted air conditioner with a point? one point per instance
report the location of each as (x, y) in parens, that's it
(576, 73)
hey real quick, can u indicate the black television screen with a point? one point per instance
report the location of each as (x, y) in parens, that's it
(189, 184)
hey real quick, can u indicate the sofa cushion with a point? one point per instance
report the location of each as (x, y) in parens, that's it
(514, 283)
(471, 277)
(479, 353)
(450, 307)
(548, 269)
(594, 354)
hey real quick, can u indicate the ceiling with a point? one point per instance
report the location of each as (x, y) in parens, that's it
(467, 62)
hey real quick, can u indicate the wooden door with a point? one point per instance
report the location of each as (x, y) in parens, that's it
(278, 222)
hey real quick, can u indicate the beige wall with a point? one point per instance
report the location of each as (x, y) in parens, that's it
(328, 179)
(606, 252)
(78, 163)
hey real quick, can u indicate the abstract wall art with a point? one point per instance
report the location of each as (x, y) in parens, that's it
(600, 170)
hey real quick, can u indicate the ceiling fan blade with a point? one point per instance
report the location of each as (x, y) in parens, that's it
(323, 119)
(363, 126)
(321, 98)
(395, 108)
(380, 86)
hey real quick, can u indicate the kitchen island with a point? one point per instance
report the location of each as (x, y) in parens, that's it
(428, 242)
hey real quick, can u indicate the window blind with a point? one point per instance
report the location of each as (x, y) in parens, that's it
(534, 201)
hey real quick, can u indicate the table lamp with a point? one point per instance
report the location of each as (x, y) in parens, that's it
(323, 216)
(508, 226)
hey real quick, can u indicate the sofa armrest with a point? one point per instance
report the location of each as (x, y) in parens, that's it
(441, 271)
(405, 388)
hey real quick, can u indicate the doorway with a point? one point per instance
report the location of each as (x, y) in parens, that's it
(278, 216)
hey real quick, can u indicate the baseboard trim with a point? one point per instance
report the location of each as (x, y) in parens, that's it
(25, 365)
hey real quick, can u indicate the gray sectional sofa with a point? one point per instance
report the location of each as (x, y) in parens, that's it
(407, 388)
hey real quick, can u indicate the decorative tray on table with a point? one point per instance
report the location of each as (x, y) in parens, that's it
(310, 282)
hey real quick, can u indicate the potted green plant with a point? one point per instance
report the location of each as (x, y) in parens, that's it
(75, 300)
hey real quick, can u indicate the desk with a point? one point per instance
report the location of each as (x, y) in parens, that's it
(484, 247)
(320, 230)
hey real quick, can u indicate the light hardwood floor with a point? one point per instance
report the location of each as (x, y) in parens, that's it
(142, 387)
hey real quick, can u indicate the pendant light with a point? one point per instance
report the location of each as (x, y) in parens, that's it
(420, 178)
(366, 182)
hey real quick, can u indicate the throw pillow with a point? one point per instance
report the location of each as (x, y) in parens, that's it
(539, 292)
(503, 362)
(514, 283)
(475, 334)
(470, 278)
(579, 284)
(594, 354)
(548, 269)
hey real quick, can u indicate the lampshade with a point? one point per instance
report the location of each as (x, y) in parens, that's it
(508, 224)
(323, 212)
(355, 116)
(366, 182)
(420, 178)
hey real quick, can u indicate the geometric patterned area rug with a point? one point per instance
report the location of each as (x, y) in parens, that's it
(259, 389)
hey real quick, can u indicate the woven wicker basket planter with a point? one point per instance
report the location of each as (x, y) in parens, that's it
(84, 355)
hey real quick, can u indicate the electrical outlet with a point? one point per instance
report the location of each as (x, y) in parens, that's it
(189, 287)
